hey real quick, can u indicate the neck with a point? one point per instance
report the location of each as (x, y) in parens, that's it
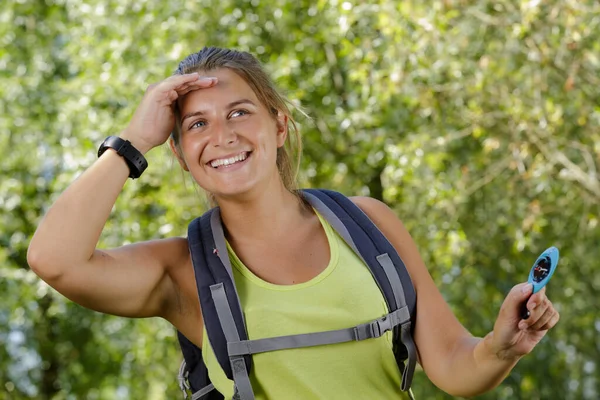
(262, 217)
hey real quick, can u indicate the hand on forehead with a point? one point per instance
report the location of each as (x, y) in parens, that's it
(230, 87)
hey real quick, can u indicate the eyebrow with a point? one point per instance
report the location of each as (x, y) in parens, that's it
(230, 105)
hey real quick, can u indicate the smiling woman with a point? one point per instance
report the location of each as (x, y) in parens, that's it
(240, 73)
(228, 139)
(334, 284)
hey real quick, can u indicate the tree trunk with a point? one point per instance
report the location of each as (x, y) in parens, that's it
(47, 338)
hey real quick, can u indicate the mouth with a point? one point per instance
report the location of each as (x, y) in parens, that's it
(229, 161)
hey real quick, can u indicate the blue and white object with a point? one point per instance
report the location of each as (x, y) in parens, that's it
(543, 269)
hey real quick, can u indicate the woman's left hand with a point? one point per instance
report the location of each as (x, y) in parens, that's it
(514, 337)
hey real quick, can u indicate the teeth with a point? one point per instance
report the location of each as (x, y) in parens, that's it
(228, 161)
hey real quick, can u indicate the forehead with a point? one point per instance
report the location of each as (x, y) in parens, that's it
(230, 87)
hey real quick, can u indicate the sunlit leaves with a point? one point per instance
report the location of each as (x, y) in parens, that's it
(478, 122)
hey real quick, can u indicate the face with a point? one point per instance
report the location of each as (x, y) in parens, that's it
(229, 140)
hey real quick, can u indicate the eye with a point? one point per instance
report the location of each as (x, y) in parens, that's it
(197, 124)
(238, 113)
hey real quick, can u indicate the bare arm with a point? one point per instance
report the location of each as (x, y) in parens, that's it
(132, 280)
(454, 360)
(128, 281)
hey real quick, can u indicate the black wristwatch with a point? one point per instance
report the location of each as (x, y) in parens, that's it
(135, 160)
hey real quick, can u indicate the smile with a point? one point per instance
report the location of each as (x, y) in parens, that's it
(226, 162)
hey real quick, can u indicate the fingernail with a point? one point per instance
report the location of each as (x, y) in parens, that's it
(522, 325)
(532, 306)
(527, 288)
(207, 78)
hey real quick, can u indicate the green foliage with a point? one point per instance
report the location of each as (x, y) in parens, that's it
(478, 123)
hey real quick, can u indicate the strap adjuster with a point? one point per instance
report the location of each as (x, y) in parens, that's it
(381, 326)
(373, 329)
(377, 328)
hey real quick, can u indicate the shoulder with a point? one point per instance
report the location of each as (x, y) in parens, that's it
(170, 252)
(173, 252)
(394, 230)
(168, 257)
(178, 245)
(370, 205)
(381, 215)
(435, 315)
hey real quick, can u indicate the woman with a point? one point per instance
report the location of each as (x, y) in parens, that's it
(231, 131)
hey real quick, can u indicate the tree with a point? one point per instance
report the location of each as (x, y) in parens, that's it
(478, 123)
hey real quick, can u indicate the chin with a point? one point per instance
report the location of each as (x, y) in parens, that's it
(231, 190)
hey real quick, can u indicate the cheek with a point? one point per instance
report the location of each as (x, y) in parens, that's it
(266, 132)
(191, 147)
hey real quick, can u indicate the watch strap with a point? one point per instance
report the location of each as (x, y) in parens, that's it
(135, 160)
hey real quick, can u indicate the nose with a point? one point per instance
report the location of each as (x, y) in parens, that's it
(223, 135)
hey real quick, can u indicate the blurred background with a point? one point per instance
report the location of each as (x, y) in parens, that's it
(478, 122)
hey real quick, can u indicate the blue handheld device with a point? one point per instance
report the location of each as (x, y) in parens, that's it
(541, 272)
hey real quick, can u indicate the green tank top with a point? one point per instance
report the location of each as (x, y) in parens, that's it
(343, 295)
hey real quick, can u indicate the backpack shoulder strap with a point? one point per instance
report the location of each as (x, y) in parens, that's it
(365, 238)
(222, 312)
(221, 307)
(382, 259)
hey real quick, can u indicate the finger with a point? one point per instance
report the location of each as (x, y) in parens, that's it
(202, 83)
(543, 319)
(167, 94)
(535, 314)
(514, 301)
(151, 86)
(175, 81)
(537, 308)
(171, 82)
(536, 299)
(182, 93)
(553, 321)
(172, 96)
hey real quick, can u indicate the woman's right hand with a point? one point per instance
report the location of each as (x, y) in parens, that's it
(154, 119)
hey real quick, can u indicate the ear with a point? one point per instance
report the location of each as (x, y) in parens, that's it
(282, 128)
(179, 156)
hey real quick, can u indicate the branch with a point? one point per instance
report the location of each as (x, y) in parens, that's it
(494, 171)
(338, 80)
(587, 156)
(587, 180)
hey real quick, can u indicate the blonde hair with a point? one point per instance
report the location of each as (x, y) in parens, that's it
(249, 68)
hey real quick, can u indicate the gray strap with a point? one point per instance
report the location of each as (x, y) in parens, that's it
(339, 227)
(238, 365)
(405, 333)
(409, 370)
(392, 275)
(224, 312)
(333, 220)
(221, 249)
(203, 391)
(216, 227)
(373, 329)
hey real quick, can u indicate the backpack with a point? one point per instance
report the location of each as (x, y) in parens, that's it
(224, 319)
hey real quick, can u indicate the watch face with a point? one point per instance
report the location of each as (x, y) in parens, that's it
(541, 269)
